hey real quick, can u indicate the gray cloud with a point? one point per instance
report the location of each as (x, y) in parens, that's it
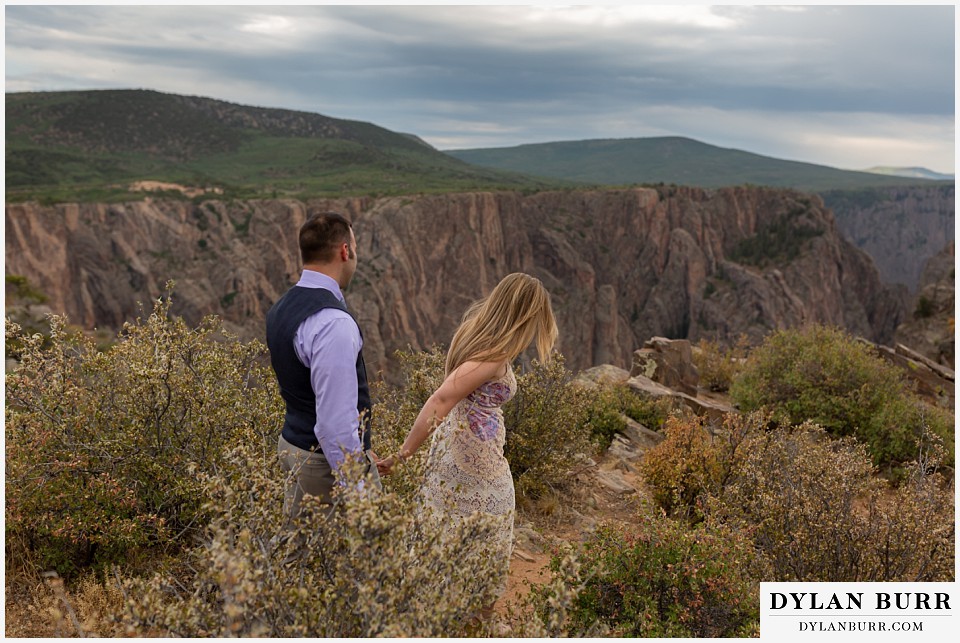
(788, 82)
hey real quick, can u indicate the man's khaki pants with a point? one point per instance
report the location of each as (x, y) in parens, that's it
(307, 472)
(311, 474)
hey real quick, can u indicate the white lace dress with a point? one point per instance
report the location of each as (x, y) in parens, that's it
(466, 471)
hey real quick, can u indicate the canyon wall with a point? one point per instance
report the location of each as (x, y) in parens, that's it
(900, 228)
(622, 265)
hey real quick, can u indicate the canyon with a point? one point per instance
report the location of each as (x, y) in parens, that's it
(622, 265)
(900, 228)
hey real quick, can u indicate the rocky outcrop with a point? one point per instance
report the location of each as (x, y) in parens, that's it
(669, 362)
(621, 265)
(712, 409)
(930, 329)
(602, 375)
(933, 382)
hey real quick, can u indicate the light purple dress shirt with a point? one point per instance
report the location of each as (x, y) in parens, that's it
(328, 343)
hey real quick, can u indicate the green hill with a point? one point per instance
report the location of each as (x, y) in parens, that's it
(674, 159)
(91, 145)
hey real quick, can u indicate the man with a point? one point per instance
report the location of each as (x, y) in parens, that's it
(315, 349)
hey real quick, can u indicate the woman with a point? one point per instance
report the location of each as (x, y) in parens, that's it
(466, 471)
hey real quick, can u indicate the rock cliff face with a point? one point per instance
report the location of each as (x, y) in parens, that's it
(900, 228)
(930, 329)
(622, 265)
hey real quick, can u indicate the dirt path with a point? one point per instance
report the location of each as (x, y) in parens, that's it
(590, 503)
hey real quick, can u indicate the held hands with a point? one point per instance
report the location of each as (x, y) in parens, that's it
(385, 466)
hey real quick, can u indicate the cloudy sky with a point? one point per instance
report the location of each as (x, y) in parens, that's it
(845, 86)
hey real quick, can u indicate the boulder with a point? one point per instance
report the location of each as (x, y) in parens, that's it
(669, 362)
(640, 437)
(934, 382)
(615, 482)
(603, 374)
(712, 410)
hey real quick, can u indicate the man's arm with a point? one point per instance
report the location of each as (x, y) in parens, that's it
(328, 344)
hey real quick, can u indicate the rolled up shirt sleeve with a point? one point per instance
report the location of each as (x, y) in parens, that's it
(328, 343)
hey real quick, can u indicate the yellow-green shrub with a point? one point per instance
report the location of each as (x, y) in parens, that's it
(719, 366)
(825, 376)
(607, 404)
(102, 446)
(375, 567)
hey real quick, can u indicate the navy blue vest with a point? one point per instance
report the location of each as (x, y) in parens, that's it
(283, 319)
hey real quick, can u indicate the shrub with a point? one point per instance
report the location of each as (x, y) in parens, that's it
(925, 308)
(546, 430)
(608, 404)
(652, 413)
(691, 463)
(780, 239)
(683, 467)
(376, 567)
(604, 416)
(813, 505)
(548, 609)
(915, 528)
(102, 447)
(718, 366)
(665, 579)
(19, 290)
(825, 376)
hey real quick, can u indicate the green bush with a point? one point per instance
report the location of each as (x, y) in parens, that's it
(607, 404)
(19, 290)
(825, 376)
(604, 417)
(780, 238)
(925, 308)
(103, 448)
(664, 579)
(546, 428)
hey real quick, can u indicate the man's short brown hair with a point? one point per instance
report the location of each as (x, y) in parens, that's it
(321, 235)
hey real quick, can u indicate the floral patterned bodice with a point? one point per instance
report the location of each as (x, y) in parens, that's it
(484, 416)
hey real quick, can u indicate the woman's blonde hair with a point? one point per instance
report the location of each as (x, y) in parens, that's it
(503, 324)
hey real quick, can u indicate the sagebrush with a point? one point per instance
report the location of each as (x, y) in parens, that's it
(813, 504)
(376, 566)
(103, 447)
